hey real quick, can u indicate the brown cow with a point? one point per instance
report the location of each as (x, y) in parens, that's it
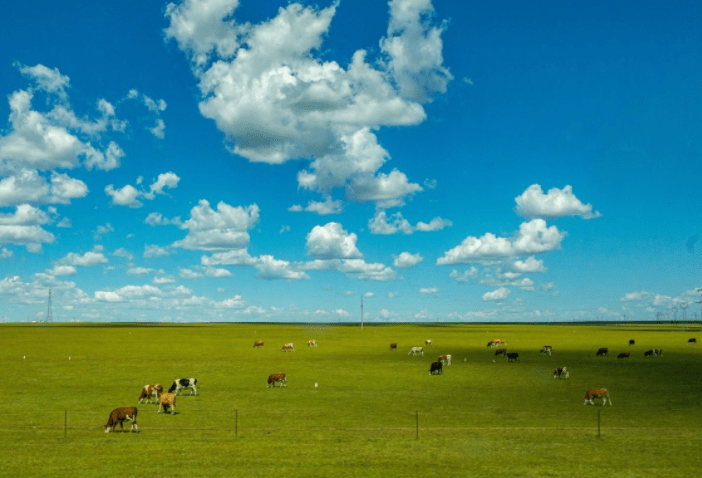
(119, 415)
(445, 359)
(276, 377)
(502, 352)
(597, 393)
(167, 401)
(258, 343)
(149, 391)
(393, 346)
(496, 342)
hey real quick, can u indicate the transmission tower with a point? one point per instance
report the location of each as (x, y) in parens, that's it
(683, 306)
(49, 315)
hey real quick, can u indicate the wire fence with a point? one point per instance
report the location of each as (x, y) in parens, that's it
(410, 424)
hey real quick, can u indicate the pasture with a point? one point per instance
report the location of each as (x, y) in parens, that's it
(374, 412)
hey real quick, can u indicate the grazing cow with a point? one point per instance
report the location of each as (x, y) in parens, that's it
(436, 367)
(650, 353)
(416, 351)
(632, 342)
(119, 415)
(602, 351)
(180, 383)
(393, 346)
(427, 342)
(513, 357)
(496, 342)
(597, 393)
(499, 352)
(658, 352)
(287, 347)
(561, 372)
(167, 401)
(276, 377)
(445, 359)
(311, 343)
(150, 391)
(623, 355)
(546, 350)
(258, 343)
(692, 341)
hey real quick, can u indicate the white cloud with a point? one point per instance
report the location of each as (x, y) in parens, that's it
(5, 253)
(29, 187)
(534, 237)
(140, 271)
(379, 224)
(271, 268)
(274, 100)
(155, 251)
(63, 270)
(157, 219)
(325, 208)
(24, 228)
(89, 259)
(354, 269)
(407, 259)
(496, 295)
(128, 195)
(189, 274)
(429, 290)
(331, 241)
(222, 229)
(465, 276)
(531, 264)
(534, 203)
(217, 272)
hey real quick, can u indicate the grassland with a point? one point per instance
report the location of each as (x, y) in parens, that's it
(479, 418)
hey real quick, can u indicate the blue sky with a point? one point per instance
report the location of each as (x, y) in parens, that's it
(231, 160)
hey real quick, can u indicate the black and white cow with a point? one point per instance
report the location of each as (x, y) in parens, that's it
(436, 367)
(180, 383)
(650, 353)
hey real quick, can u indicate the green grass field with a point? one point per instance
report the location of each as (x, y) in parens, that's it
(479, 418)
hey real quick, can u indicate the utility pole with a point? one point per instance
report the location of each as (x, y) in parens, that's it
(361, 312)
(49, 316)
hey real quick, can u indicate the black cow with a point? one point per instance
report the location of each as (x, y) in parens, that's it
(602, 351)
(513, 357)
(624, 355)
(180, 383)
(692, 341)
(436, 367)
(632, 342)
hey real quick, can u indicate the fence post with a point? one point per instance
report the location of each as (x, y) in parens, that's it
(417, 421)
(65, 422)
(599, 411)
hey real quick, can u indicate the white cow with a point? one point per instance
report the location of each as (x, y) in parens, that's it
(427, 342)
(416, 351)
(445, 359)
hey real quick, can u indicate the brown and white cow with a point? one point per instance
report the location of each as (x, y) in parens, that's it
(496, 342)
(624, 355)
(546, 350)
(427, 342)
(311, 343)
(276, 377)
(597, 393)
(167, 400)
(445, 359)
(502, 352)
(602, 351)
(288, 347)
(561, 372)
(119, 415)
(258, 343)
(150, 391)
(393, 346)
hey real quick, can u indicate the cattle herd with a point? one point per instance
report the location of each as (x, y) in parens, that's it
(167, 401)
